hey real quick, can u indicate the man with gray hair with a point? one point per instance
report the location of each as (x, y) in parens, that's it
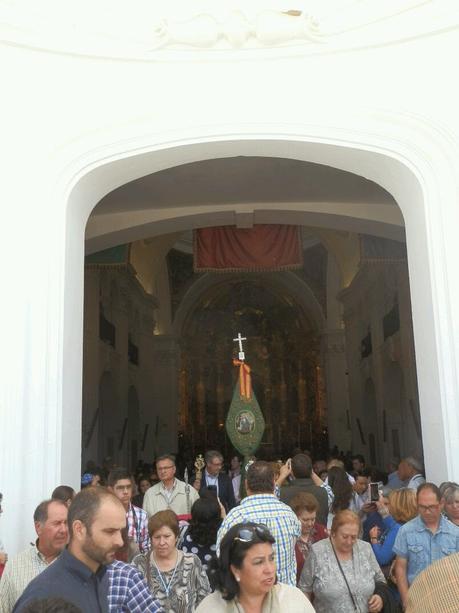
(170, 493)
(215, 480)
(410, 470)
(50, 520)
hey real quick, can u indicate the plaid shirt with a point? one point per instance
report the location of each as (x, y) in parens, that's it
(128, 591)
(137, 521)
(282, 523)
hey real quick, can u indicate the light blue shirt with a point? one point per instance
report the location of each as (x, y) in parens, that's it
(416, 544)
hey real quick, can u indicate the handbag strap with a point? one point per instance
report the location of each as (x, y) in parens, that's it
(344, 577)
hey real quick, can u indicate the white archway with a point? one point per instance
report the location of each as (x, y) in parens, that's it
(409, 158)
(391, 162)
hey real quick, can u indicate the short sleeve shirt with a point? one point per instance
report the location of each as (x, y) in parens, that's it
(416, 543)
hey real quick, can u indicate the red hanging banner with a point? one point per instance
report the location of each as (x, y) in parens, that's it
(263, 248)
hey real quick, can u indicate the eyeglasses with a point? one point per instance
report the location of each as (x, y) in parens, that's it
(165, 468)
(247, 535)
(429, 509)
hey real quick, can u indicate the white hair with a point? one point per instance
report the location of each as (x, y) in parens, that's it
(414, 463)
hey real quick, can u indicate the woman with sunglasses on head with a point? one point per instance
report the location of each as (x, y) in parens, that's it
(244, 576)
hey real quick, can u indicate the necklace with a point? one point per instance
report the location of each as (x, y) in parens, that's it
(166, 586)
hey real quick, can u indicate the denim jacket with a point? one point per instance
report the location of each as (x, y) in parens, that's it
(416, 543)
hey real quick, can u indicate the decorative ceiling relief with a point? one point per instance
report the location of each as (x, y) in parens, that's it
(214, 29)
(268, 28)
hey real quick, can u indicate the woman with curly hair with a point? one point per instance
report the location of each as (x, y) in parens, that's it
(201, 535)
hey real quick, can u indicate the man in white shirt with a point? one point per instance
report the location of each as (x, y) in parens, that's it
(410, 469)
(170, 492)
(50, 519)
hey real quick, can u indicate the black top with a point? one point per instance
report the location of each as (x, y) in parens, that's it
(225, 490)
(72, 580)
(307, 485)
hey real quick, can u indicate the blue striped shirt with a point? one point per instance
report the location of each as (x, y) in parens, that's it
(282, 523)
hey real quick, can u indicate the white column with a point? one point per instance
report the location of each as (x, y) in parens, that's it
(39, 446)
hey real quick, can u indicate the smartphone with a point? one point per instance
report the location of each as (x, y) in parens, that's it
(374, 492)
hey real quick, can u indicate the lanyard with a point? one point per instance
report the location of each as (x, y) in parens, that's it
(166, 586)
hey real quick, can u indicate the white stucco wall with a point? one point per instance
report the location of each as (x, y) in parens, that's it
(76, 123)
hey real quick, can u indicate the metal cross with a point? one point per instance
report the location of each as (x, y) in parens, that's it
(239, 340)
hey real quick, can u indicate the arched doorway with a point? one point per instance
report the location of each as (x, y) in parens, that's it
(301, 151)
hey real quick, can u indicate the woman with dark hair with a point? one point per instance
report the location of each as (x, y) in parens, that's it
(201, 535)
(177, 579)
(143, 484)
(244, 576)
(342, 492)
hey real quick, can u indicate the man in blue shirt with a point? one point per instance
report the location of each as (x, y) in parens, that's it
(423, 540)
(95, 520)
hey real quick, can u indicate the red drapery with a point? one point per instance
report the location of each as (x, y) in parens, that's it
(265, 247)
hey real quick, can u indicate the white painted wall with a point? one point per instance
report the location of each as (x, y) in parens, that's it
(84, 113)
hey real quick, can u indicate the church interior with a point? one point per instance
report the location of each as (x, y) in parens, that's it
(330, 344)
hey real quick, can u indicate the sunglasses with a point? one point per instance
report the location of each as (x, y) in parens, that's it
(247, 535)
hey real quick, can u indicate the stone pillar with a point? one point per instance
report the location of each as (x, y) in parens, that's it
(121, 316)
(146, 392)
(91, 368)
(164, 372)
(336, 377)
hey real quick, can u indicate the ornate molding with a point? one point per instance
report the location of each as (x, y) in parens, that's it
(268, 29)
(178, 29)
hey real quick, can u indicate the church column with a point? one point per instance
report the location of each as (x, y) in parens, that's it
(164, 373)
(91, 368)
(40, 426)
(336, 377)
(121, 372)
(147, 419)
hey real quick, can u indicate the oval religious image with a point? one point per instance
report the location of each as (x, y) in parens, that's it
(245, 422)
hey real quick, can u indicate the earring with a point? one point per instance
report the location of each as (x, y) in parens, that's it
(238, 579)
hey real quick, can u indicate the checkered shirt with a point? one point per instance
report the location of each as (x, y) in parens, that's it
(137, 520)
(18, 573)
(128, 591)
(436, 588)
(282, 523)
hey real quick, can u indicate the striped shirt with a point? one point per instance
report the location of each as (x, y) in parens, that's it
(137, 521)
(18, 573)
(282, 523)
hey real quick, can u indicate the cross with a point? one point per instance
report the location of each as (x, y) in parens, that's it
(239, 340)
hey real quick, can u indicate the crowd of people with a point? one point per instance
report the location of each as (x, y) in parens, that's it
(327, 535)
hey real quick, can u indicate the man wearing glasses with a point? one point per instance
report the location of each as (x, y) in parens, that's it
(170, 492)
(423, 540)
(119, 482)
(216, 480)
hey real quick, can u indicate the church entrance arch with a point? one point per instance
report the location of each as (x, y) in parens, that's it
(378, 161)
